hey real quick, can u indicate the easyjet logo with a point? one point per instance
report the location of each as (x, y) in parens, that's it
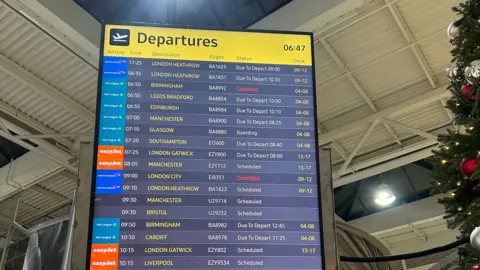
(104, 263)
(109, 163)
(104, 250)
(110, 151)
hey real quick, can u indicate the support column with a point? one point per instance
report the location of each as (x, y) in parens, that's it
(327, 209)
(3, 260)
(82, 210)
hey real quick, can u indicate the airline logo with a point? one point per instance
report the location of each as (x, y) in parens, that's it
(101, 263)
(106, 230)
(112, 117)
(101, 164)
(113, 106)
(110, 158)
(115, 72)
(113, 102)
(115, 69)
(110, 138)
(104, 250)
(119, 37)
(113, 94)
(104, 255)
(108, 182)
(115, 85)
(110, 150)
(111, 128)
(115, 60)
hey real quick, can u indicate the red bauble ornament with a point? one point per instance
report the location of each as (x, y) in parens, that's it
(466, 91)
(476, 267)
(467, 166)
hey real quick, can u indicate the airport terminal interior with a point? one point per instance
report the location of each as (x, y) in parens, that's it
(362, 114)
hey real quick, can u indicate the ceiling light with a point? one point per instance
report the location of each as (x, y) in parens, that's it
(384, 196)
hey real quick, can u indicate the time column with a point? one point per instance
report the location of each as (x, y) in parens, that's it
(109, 163)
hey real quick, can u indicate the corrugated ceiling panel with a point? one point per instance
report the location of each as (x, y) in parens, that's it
(437, 52)
(60, 185)
(415, 263)
(431, 224)
(40, 54)
(403, 95)
(38, 200)
(442, 79)
(348, 117)
(424, 118)
(63, 211)
(337, 98)
(390, 75)
(335, 156)
(378, 136)
(426, 17)
(25, 215)
(325, 67)
(7, 207)
(35, 105)
(368, 40)
(394, 233)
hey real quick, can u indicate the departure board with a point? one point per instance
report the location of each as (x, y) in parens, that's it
(205, 151)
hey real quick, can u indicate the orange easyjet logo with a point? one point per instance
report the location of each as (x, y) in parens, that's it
(104, 257)
(109, 163)
(109, 151)
(110, 158)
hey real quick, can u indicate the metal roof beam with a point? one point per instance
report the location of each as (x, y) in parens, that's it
(69, 176)
(66, 21)
(32, 148)
(410, 40)
(22, 117)
(335, 144)
(357, 86)
(43, 145)
(420, 234)
(15, 71)
(354, 152)
(401, 49)
(386, 166)
(411, 129)
(32, 209)
(314, 13)
(401, 108)
(53, 136)
(328, 34)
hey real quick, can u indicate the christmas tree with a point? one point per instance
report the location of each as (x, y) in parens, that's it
(456, 171)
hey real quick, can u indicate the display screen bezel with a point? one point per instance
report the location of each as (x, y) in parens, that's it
(98, 108)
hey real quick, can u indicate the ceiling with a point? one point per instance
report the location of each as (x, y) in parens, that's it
(214, 13)
(380, 87)
(408, 183)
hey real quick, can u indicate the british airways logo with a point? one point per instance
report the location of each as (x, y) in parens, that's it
(108, 182)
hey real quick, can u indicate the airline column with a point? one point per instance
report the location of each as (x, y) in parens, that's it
(109, 169)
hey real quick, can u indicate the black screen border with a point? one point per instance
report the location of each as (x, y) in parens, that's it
(98, 108)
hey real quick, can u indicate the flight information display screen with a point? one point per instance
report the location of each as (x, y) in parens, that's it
(205, 151)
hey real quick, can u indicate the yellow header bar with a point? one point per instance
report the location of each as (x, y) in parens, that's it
(207, 45)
